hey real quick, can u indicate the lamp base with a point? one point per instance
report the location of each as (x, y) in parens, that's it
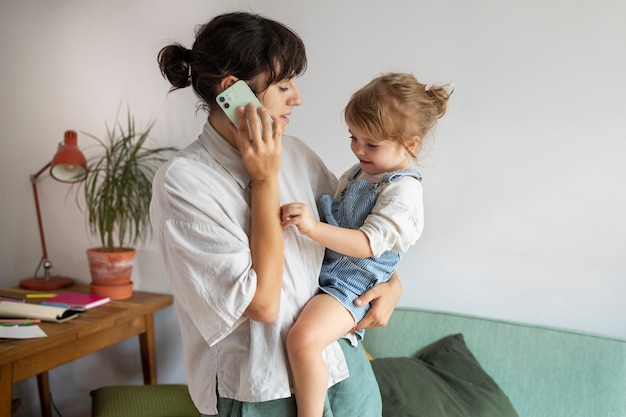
(43, 284)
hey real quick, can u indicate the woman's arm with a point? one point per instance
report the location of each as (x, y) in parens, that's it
(261, 157)
(383, 299)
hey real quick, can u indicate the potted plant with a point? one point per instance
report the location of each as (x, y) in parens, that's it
(117, 191)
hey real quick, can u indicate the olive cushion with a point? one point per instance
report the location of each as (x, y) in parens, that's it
(443, 379)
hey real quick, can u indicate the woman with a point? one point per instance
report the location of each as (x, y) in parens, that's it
(239, 280)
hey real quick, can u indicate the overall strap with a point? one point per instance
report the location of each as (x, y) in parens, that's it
(396, 175)
(355, 173)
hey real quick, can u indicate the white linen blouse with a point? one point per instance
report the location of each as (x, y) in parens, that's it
(200, 213)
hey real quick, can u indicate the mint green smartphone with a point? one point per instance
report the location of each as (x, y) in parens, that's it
(237, 95)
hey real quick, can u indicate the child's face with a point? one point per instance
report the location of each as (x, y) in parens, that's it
(377, 156)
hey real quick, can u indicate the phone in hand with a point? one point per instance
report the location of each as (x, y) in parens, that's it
(237, 95)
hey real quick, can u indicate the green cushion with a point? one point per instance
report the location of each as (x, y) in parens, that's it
(164, 400)
(444, 379)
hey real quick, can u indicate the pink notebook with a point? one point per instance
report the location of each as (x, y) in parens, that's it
(76, 300)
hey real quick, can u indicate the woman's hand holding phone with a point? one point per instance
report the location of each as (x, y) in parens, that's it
(260, 152)
(257, 136)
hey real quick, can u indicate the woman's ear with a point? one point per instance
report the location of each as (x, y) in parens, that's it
(228, 81)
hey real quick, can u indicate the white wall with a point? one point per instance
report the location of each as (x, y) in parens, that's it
(524, 179)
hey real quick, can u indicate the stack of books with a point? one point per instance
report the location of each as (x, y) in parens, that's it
(59, 308)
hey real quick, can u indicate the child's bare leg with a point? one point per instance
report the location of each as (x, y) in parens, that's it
(322, 321)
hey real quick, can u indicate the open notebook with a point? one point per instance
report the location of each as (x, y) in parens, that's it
(11, 310)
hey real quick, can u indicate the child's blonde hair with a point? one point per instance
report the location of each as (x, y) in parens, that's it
(396, 107)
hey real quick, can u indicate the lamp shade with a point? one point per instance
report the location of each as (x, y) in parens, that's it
(69, 163)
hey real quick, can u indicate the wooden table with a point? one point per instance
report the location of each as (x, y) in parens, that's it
(90, 332)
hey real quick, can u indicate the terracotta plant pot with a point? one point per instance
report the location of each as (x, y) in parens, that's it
(110, 268)
(114, 292)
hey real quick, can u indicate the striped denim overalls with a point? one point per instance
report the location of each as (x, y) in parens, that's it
(345, 277)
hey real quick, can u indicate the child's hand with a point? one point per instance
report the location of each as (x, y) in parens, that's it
(299, 215)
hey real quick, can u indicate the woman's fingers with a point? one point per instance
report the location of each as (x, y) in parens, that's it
(261, 153)
(258, 125)
(253, 122)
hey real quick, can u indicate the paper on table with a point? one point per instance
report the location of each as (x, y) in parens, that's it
(21, 332)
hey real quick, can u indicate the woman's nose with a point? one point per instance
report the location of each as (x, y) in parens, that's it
(296, 98)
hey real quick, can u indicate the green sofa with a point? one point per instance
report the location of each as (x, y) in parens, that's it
(544, 372)
(436, 364)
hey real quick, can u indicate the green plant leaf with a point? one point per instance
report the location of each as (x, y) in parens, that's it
(118, 185)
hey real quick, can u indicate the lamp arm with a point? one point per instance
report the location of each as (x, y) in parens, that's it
(47, 265)
(33, 180)
(34, 177)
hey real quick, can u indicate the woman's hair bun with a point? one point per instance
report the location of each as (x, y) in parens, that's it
(175, 64)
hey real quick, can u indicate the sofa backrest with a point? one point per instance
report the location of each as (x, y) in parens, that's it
(545, 372)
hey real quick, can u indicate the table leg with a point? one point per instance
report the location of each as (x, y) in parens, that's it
(147, 346)
(44, 394)
(6, 388)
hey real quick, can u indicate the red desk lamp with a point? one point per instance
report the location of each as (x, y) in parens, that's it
(68, 165)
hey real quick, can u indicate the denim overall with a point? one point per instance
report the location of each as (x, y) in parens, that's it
(345, 277)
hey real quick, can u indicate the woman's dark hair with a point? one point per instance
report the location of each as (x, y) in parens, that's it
(241, 44)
